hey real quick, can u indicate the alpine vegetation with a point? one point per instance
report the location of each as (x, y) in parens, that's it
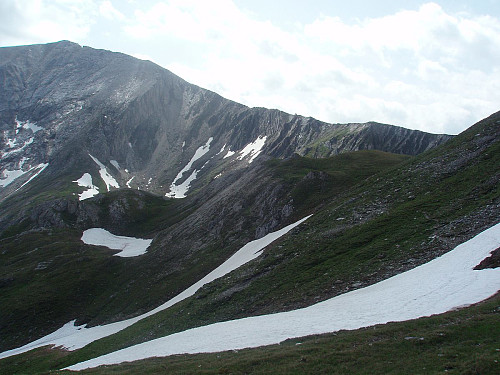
(143, 216)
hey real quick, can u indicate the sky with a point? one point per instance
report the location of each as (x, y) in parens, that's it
(432, 66)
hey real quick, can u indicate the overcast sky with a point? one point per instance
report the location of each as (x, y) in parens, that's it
(433, 66)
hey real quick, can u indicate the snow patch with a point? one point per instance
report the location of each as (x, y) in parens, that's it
(433, 288)
(74, 337)
(17, 150)
(106, 177)
(22, 161)
(11, 142)
(86, 181)
(180, 191)
(27, 125)
(202, 150)
(10, 176)
(31, 126)
(19, 125)
(41, 167)
(129, 246)
(129, 181)
(229, 154)
(253, 149)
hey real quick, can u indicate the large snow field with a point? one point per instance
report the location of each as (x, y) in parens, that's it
(129, 246)
(74, 337)
(443, 284)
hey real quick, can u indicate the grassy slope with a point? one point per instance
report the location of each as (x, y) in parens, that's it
(312, 182)
(390, 223)
(383, 226)
(339, 173)
(104, 285)
(48, 277)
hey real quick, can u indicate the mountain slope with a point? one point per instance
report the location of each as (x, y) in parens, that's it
(40, 283)
(390, 223)
(77, 121)
(386, 227)
(65, 102)
(435, 287)
(72, 126)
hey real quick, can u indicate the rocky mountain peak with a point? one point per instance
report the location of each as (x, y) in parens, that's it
(145, 125)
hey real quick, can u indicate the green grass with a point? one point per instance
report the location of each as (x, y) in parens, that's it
(60, 278)
(319, 149)
(365, 228)
(49, 277)
(388, 223)
(58, 273)
(313, 181)
(144, 214)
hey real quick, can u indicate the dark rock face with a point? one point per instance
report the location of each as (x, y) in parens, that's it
(115, 107)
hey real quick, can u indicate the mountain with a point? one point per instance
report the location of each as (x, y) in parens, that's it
(78, 121)
(62, 102)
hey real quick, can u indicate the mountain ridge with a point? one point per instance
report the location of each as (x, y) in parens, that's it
(252, 171)
(140, 115)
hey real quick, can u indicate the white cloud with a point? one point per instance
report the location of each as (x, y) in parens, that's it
(431, 70)
(107, 10)
(38, 21)
(412, 68)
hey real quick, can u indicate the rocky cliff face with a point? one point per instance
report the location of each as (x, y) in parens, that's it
(63, 103)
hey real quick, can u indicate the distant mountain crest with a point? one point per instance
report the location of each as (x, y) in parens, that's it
(62, 101)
